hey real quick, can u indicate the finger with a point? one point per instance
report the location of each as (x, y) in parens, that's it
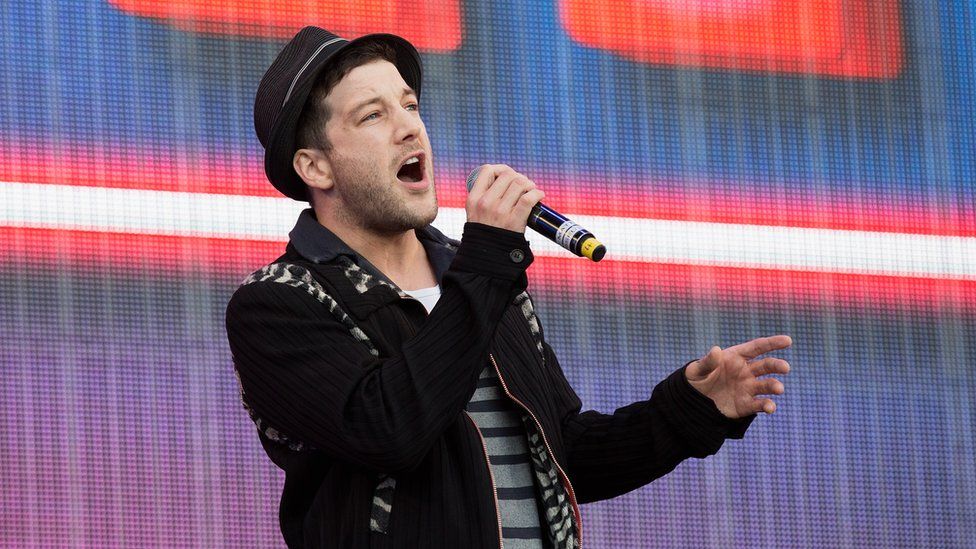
(768, 386)
(486, 175)
(710, 361)
(525, 203)
(518, 187)
(762, 345)
(769, 366)
(765, 405)
(500, 185)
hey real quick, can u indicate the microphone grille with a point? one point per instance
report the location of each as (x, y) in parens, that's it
(472, 176)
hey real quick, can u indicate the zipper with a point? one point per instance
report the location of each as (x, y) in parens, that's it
(552, 456)
(494, 489)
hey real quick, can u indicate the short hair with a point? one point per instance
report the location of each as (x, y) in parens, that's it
(310, 129)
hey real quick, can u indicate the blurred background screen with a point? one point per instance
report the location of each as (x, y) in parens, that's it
(753, 166)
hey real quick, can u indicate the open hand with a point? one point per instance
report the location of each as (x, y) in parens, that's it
(731, 377)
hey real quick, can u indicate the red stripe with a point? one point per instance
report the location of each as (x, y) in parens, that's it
(149, 255)
(127, 168)
(164, 171)
(853, 38)
(431, 25)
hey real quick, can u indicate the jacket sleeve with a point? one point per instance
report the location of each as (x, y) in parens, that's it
(303, 372)
(612, 454)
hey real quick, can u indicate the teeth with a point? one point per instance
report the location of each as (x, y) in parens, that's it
(413, 160)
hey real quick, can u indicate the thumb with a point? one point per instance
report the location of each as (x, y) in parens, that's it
(710, 361)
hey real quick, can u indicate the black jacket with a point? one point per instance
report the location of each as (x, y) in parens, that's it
(359, 395)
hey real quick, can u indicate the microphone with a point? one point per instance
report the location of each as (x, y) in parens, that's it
(554, 226)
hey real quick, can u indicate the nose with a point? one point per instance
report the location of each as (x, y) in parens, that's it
(409, 125)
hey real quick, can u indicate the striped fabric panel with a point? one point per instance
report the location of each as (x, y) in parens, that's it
(501, 426)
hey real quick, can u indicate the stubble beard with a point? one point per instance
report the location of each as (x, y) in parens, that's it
(373, 202)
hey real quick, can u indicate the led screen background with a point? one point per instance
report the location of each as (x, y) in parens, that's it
(816, 180)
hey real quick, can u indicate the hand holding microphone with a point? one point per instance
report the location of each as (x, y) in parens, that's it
(501, 197)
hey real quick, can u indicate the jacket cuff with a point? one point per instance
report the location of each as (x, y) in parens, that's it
(695, 415)
(492, 251)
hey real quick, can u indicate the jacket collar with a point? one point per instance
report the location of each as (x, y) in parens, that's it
(367, 287)
(316, 243)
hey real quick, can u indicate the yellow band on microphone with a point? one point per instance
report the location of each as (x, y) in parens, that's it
(593, 249)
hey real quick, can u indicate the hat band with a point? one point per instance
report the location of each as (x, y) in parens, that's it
(305, 66)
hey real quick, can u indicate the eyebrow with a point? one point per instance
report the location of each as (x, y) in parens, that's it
(407, 90)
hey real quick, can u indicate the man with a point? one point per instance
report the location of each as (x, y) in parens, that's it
(401, 379)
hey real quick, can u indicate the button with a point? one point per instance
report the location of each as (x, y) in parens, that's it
(517, 255)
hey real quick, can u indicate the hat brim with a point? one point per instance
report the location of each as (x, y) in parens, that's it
(281, 147)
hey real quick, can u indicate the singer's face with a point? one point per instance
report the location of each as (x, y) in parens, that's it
(380, 156)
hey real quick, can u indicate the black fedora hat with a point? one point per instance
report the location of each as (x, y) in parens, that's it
(285, 87)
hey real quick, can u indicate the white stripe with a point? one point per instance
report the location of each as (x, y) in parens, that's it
(305, 66)
(644, 240)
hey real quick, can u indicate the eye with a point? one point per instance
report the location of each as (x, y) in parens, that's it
(371, 116)
(412, 107)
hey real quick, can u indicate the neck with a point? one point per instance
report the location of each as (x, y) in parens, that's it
(400, 256)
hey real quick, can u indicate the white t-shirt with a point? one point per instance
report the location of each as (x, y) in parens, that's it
(427, 296)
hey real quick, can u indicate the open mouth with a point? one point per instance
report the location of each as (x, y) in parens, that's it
(412, 169)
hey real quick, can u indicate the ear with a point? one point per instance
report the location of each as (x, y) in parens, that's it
(314, 168)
